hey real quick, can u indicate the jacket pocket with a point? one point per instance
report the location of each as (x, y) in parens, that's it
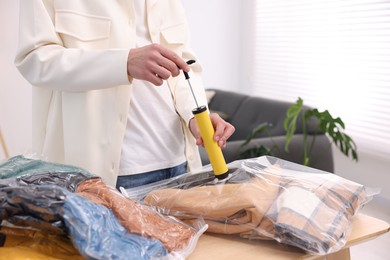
(174, 38)
(81, 27)
(176, 34)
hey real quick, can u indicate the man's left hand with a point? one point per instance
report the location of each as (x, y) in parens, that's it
(223, 130)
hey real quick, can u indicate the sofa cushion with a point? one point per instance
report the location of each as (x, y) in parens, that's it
(254, 111)
(227, 103)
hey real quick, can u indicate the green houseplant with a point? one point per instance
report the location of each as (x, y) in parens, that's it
(332, 127)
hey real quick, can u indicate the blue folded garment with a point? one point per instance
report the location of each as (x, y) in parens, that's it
(97, 234)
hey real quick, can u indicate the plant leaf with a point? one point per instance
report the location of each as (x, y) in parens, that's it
(257, 130)
(290, 122)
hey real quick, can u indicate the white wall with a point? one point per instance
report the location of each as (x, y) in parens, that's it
(215, 36)
(371, 171)
(221, 38)
(15, 92)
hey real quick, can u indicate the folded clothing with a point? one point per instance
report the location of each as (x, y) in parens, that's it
(21, 166)
(35, 206)
(311, 211)
(97, 233)
(314, 212)
(227, 208)
(57, 213)
(39, 195)
(138, 218)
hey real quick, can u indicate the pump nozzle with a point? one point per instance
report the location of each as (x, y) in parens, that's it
(189, 62)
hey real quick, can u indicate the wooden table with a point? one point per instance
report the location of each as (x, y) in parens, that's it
(211, 246)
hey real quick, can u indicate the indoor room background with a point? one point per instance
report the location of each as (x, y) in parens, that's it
(325, 53)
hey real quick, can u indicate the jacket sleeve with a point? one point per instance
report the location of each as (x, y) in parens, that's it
(45, 61)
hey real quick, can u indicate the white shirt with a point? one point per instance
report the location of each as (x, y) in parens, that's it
(154, 137)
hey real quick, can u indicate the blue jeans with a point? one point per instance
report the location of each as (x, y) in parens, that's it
(135, 180)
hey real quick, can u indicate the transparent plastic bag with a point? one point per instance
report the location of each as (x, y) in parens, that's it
(60, 199)
(22, 166)
(178, 237)
(266, 198)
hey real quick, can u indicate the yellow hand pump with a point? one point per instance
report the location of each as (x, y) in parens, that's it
(206, 130)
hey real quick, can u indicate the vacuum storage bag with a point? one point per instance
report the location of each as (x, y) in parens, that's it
(265, 198)
(70, 204)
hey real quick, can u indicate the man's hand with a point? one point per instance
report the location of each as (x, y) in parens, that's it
(223, 130)
(154, 63)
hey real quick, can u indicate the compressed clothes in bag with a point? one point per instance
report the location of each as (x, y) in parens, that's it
(97, 233)
(26, 202)
(63, 200)
(21, 166)
(269, 198)
(93, 229)
(34, 206)
(138, 218)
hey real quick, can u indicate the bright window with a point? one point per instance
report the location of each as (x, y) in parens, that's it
(335, 54)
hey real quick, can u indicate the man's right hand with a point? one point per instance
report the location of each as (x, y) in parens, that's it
(154, 63)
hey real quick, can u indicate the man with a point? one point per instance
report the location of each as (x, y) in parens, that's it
(108, 94)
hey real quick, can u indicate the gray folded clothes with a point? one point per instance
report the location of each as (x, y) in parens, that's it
(34, 206)
(20, 165)
(21, 171)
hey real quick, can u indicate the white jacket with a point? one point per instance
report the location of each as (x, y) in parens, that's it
(74, 53)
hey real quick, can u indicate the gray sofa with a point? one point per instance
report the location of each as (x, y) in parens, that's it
(246, 112)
